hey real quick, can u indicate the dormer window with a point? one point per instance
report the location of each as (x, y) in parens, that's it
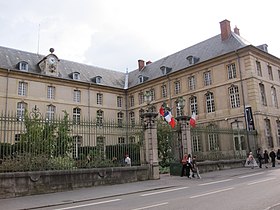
(76, 76)
(165, 70)
(142, 78)
(23, 66)
(97, 79)
(192, 59)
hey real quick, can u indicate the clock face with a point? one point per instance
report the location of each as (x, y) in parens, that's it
(52, 60)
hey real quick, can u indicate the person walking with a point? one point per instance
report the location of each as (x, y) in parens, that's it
(127, 160)
(259, 156)
(251, 160)
(195, 168)
(266, 158)
(184, 162)
(278, 156)
(272, 155)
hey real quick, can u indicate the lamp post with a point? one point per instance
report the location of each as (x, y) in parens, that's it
(148, 100)
(180, 104)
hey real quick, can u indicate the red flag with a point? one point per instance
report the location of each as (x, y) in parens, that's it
(172, 123)
(193, 120)
(161, 111)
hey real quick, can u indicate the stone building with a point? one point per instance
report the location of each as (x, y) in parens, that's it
(225, 80)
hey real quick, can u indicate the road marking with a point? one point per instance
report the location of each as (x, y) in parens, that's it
(210, 193)
(260, 181)
(271, 207)
(241, 177)
(225, 180)
(89, 204)
(164, 191)
(147, 207)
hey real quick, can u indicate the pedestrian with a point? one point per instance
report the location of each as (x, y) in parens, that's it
(251, 160)
(127, 160)
(272, 155)
(278, 156)
(266, 158)
(195, 168)
(259, 156)
(189, 166)
(184, 165)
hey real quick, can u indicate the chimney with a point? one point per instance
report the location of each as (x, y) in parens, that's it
(236, 31)
(225, 29)
(148, 62)
(141, 64)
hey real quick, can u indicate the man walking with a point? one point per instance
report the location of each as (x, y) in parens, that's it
(272, 155)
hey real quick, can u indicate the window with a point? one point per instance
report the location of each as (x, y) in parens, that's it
(268, 134)
(263, 96)
(132, 140)
(164, 91)
(121, 140)
(279, 75)
(141, 98)
(141, 119)
(210, 105)
(120, 119)
(212, 138)
(207, 78)
(177, 87)
(193, 105)
(50, 112)
(76, 115)
(51, 92)
(98, 79)
(153, 95)
(77, 143)
(191, 82)
(99, 117)
(119, 101)
(231, 71)
(196, 143)
(141, 79)
(17, 137)
(132, 119)
(274, 97)
(21, 107)
(23, 66)
(22, 88)
(234, 96)
(270, 74)
(278, 131)
(99, 98)
(131, 101)
(259, 68)
(76, 76)
(77, 96)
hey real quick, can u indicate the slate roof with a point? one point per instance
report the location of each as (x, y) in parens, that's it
(208, 49)
(205, 50)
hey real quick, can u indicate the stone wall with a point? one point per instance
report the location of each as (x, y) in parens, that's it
(31, 183)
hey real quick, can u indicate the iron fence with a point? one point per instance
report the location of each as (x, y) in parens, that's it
(34, 143)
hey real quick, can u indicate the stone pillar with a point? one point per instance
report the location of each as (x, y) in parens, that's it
(186, 144)
(151, 144)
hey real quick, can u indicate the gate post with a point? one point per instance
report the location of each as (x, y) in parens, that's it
(186, 144)
(151, 144)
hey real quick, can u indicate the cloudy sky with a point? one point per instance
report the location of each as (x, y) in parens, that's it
(114, 34)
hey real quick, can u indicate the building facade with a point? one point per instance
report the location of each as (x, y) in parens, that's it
(225, 80)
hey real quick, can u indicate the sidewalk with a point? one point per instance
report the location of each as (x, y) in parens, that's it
(84, 194)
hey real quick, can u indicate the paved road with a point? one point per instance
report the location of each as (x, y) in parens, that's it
(111, 194)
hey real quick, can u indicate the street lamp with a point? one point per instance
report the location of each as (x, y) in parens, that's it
(148, 99)
(180, 104)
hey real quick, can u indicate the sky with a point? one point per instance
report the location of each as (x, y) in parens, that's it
(115, 34)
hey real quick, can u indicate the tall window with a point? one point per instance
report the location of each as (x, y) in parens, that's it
(50, 112)
(120, 119)
(99, 117)
(121, 140)
(99, 98)
(270, 74)
(141, 97)
(119, 101)
(132, 118)
(141, 119)
(210, 105)
(23, 66)
(191, 83)
(76, 115)
(22, 88)
(21, 106)
(196, 143)
(234, 96)
(77, 96)
(207, 78)
(259, 68)
(274, 97)
(263, 96)
(231, 71)
(268, 133)
(51, 92)
(278, 131)
(131, 99)
(177, 87)
(153, 94)
(193, 105)
(77, 143)
(213, 139)
(164, 91)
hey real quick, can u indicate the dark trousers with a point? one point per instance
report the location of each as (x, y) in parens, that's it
(185, 170)
(260, 162)
(273, 163)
